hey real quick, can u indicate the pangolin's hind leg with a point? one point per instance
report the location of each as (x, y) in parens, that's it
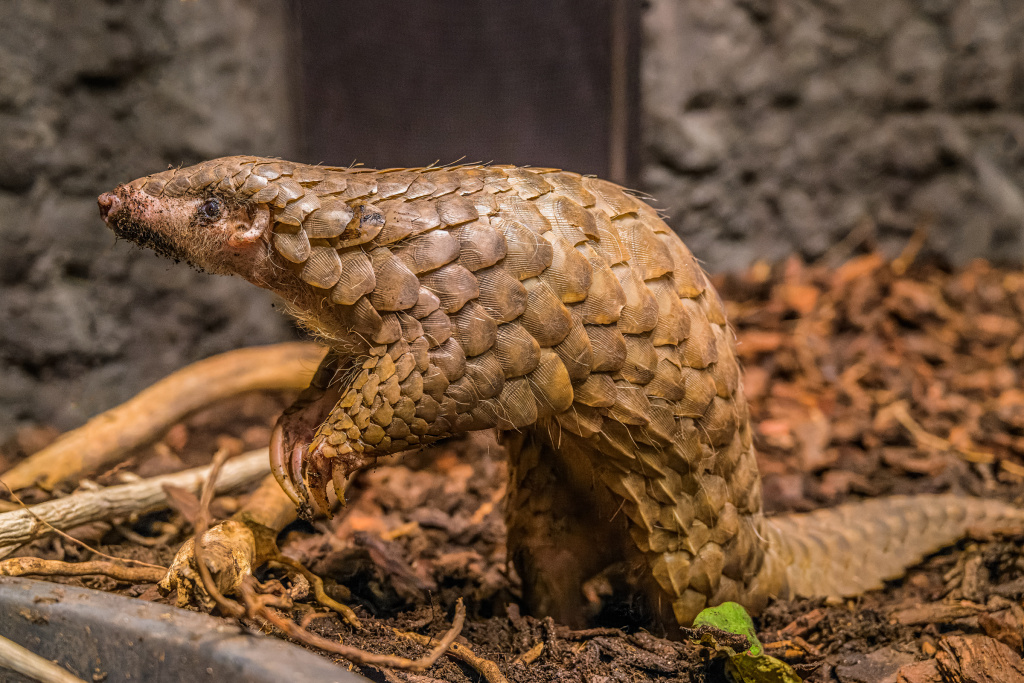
(565, 530)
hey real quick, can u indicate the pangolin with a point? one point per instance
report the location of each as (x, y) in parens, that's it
(562, 311)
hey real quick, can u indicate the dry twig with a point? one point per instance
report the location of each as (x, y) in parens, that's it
(485, 667)
(21, 526)
(16, 658)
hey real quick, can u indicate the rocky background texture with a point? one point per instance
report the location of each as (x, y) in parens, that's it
(779, 126)
(94, 93)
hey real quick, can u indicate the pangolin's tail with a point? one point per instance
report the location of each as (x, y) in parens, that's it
(853, 548)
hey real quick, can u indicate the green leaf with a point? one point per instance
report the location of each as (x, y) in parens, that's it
(731, 617)
(751, 666)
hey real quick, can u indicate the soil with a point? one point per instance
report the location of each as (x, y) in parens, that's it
(866, 379)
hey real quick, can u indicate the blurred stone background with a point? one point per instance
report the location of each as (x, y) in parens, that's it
(768, 127)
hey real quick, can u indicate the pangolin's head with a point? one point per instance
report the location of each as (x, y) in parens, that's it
(204, 215)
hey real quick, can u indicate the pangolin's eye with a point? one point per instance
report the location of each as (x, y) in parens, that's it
(210, 211)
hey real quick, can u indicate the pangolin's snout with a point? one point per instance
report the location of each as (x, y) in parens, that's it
(110, 204)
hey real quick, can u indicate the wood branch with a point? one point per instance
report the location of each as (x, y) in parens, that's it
(14, 657)
(106, 438)
(34, 566)
(21, 526)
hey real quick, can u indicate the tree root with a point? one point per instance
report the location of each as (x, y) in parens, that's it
(483, 666)
(108, 437)
(34, 566)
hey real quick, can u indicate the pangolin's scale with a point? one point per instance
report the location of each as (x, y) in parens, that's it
(564, 311)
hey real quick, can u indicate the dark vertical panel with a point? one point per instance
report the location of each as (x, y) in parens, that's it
(397, 83)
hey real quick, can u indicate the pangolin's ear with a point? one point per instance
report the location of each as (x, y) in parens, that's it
(245, 232)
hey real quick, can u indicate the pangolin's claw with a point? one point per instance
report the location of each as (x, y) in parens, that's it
(318, 472)
(340, 481)
(277, 464)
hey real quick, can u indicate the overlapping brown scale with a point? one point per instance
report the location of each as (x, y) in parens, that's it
(598, 391)
(551, 385)
(330, 220)
(250, 186)
(608, 347)
(362, 316)
(405, 218)
(575, 352)
(474, 329)
(357, 278)
(640, 314)
(570, 185)
(359, 186)
(545, 317)
(394, 183)
(390, 330)
(581, 420)
(727, 369)
(611, 197)
(453, 285)
(516, 406)
(296, 211)
(322, 269)
(411, 327)
(569, 220)
(513, 208)
(367, 224)
(516, 350)
(494, 179)
(650, 255)
(631, 404)
(673, 321)
(605, 298)
(287, 191)
(273, 170)
(486, 374)
(481, 245)
(437, 328)
(527, 183)
(527, 252)
(700, 348)
(456, 210)
(397, 288)
(422, 186)
(294, 246)
(719, 421)
(686, 274)
(450, 359)
(265, 195)
(698, 391)
(446, 181)
(470, 181)
(667, 382)
(713, 307)
(502, 295)
(569, 272)
(308, 175)
(641, 359)
(426, 303)
(428, 251)
(334, 183)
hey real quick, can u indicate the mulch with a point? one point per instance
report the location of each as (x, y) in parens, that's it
(866, 379)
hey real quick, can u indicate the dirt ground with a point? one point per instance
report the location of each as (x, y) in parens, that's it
(866, 379)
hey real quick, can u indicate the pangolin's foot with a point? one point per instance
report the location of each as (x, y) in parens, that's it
(306, 463)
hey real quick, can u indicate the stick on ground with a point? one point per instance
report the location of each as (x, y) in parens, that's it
(108, 437)
(16, 658)
(20, 526)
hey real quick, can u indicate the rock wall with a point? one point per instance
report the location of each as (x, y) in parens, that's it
(777, 126)
(93, 93)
